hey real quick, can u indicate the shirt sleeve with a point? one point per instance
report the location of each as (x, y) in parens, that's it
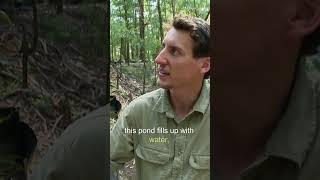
(80, 152)
(121, 143)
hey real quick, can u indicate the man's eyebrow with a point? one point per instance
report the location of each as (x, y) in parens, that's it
(172, 46)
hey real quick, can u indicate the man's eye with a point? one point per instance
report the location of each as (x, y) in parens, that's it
(174, 52)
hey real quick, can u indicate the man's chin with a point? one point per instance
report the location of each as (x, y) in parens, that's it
(162, 84)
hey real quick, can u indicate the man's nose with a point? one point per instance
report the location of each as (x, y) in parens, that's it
(160, 59)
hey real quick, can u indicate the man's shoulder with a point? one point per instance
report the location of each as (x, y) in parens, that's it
(79, 151)
(83, 130)
(147, 100)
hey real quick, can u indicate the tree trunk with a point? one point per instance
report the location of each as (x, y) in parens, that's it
(112, 53)
(136, 48)
(128, 52)
(164, 9)
(25, 71)
(59, 6)
(160, 20)
(27, 51)
(161, 37)
(132, 51)
(107, 52)
(122, 49)
(155, 73)
(127, 45)
(207, 16)
(173, 7)
(142, 50)
(118, 65)
(195, 8)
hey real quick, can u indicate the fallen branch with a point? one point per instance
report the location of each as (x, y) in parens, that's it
(72, 71)
(55, 124)
(67, 89)
(43, 118)
(7, 74)
(93, 106)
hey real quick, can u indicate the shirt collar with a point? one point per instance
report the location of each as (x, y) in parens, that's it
(163, 103)
(296, 130)
(203, 100)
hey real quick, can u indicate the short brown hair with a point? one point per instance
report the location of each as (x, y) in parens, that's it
(199, 31)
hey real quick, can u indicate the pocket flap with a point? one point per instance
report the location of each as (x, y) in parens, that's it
(152, 155)
(199, 161)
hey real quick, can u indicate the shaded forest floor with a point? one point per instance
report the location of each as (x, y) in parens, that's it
(66, 73)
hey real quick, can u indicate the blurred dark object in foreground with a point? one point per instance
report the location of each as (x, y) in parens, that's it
(17, 143)
(115, 105)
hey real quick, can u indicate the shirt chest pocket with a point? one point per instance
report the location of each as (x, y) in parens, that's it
(199, 167)
(152, 163)
(152, 155)
(199, 161)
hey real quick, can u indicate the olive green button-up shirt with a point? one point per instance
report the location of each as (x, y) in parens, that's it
(163, 146)
(293, 150)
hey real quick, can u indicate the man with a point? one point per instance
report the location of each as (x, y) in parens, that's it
(266, 90)
(182, 102)
(79, 153)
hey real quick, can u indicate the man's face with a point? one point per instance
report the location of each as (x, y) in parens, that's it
(177, 66)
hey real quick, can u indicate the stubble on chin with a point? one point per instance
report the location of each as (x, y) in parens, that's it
(162, 85)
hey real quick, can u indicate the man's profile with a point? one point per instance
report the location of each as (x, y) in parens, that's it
(167, 130)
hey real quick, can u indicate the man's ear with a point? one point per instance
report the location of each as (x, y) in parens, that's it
(306, 18)
(205, 64)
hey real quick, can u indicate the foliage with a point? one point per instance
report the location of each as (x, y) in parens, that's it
(198, 8)
(77, 27)
(135, 71)
(4, 19)
(44, 104)
(125, 37)
(7, 87)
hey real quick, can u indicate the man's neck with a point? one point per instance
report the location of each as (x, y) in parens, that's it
(183, 99)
